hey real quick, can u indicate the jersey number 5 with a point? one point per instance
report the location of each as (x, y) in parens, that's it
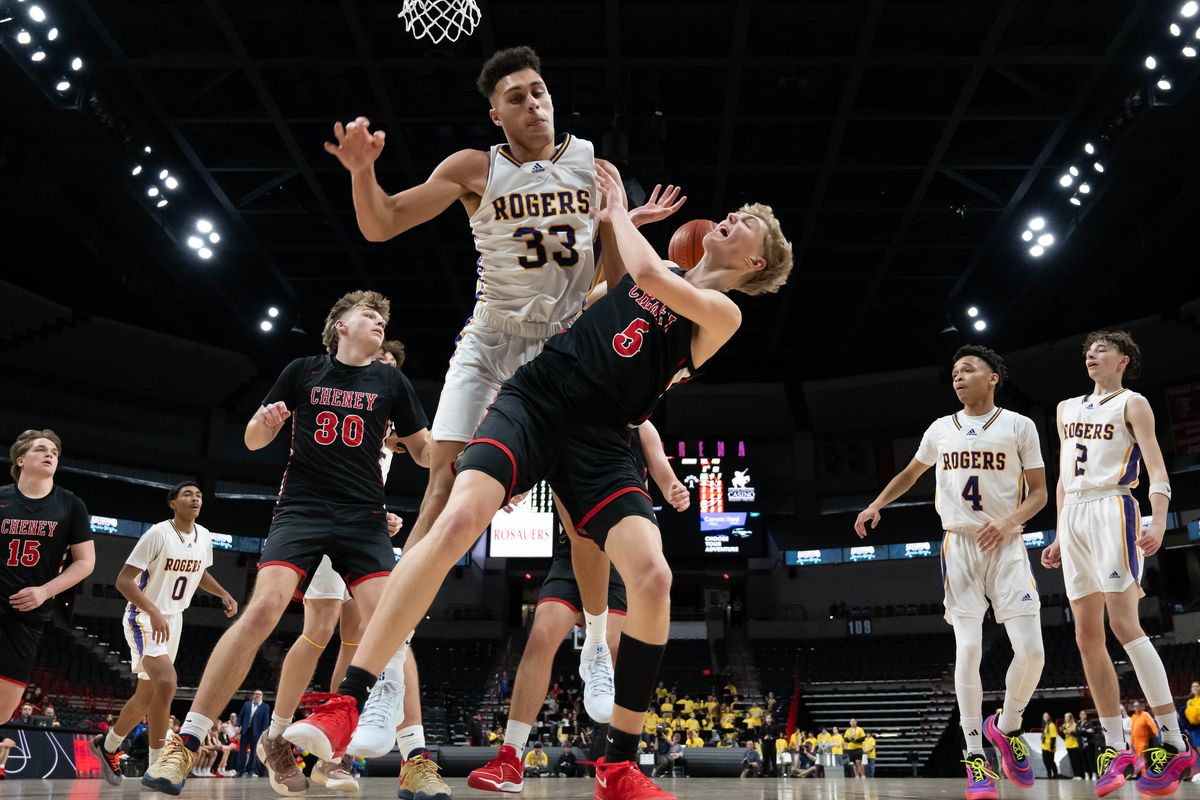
(629, 341)
(1080, 459)
(532, 237)
(971, 494)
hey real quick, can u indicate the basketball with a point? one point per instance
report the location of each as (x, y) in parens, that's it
(687, 243)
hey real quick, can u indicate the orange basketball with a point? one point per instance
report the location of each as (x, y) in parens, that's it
(687, 243)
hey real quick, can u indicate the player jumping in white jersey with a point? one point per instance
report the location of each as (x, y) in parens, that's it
(529, 203)
(1106, 435)
(167, 565)
(990, 481)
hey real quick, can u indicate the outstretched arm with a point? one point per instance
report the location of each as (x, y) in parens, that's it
(895, 489)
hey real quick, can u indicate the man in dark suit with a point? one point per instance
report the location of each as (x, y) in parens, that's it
(256, 719)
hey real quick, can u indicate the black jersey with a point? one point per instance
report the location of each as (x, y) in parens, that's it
(339, 416)
(35, 536)
(631, 346)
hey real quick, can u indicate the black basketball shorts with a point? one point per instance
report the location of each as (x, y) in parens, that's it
(560, 587)
(353, 536)
(547, 422)
(20, 635)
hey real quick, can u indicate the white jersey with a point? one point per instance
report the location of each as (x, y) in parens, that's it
(172, 565)
(1098, 449)
(534, 233)
(981, 463)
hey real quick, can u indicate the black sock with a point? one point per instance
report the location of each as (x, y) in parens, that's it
(635, 672)
(622, 746)
(357, 684)
(190, 742)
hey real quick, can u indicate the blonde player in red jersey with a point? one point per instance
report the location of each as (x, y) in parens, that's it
(1106, 435)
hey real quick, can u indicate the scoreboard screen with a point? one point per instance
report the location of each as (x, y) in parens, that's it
(723, 520)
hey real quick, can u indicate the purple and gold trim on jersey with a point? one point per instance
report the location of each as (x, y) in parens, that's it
(942, 560)
(1133, 461)
(131, 619)
(954, 419)
(1111, 396)
(562, 148)
(993, 418)
(1130, 525)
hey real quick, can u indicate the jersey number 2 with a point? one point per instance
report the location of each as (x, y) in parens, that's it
(629, 341)
(327, 425)
(971, 494)
(1080, 459)
(26, 556)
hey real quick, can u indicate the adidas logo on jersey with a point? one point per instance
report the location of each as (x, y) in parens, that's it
(1090, 406)
(1114, 575)
(971, 432)
(1026, 598)
(536, 169)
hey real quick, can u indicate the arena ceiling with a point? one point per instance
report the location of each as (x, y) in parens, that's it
(905, 144)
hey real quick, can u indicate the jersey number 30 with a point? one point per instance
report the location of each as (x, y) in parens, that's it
(628, 342)
(327, 429)
(971, 494)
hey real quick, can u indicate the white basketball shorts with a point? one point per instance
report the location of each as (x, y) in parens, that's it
(972, 577)
(140, 637)
(1098, 540)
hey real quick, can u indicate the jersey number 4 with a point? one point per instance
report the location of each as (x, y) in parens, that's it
(628, 342)
(537, 259)
(971, 494)
(23, 553)
(327, 429)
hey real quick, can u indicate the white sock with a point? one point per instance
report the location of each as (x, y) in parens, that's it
(394, 671)
(278, 726)
(155, 752)
(1113, 737)
(1151, 674)
(1025, 635)
(112, 742)
(410, 739)
(596, 627)
(1168, 729)
(517, 735)
(972, 728)
(968, 651)
(196, 724)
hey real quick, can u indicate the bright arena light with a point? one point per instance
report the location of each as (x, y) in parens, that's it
(980, 325)
(137, 169)
(171, 183)
(163, 175)
(1074, 172)
(1098, 167)
(1190, 8)
(1036, 251)
(972, 312)
(1175, 29)
(1075, 201)
(162, 203)
(1164, 84)
(38, 15)
(1151, 62)
(39, 55)
(24, 37)
(52, 34)
(214, 237)
(1065, 181)
(146, 149)
(1046, 239)
(272, 312)
(205, 253)
(204, 226)
(152, 191)
(1027, 236)
(1090, 149)
(76, 63)
(1037, 223)
(195, 242)
(63, 85)
(265, 325)
(1084, 188)
(1189, 51)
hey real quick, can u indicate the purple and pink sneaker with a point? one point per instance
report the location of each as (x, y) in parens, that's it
(1113, 767)
(1165, 768)
(981, 781)
(1014, 755)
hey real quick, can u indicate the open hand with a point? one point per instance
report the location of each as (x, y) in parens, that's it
(658, 207)
(357, 147)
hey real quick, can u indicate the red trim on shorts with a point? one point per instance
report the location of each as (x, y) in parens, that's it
(287, 564)
(512, 486)
(6, 679)
(618, 613)
(606, 501)
(559, 600)
(366, 578)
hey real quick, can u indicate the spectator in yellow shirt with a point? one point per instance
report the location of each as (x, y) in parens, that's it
(652, 722)
(1070, 735)
(689, 706)
(1049, 743)
(837, 747)
(711, 706)
(694, 740)
(853, 738)
(730, 689)
(726, 741)
(728, 718)
(868, 746)
(537, 763)
(660, 692)
(691, 723)
(755, 710)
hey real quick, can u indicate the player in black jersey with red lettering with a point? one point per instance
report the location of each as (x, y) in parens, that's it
(330, 502)
(563, 417)
(39, 523)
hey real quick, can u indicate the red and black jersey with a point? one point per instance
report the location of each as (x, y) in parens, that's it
(631, 346)
(339, 417)
(34, 538)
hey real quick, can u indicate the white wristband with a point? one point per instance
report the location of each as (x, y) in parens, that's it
(1161, 488)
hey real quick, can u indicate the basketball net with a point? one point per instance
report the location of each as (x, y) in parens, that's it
(440, 19)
